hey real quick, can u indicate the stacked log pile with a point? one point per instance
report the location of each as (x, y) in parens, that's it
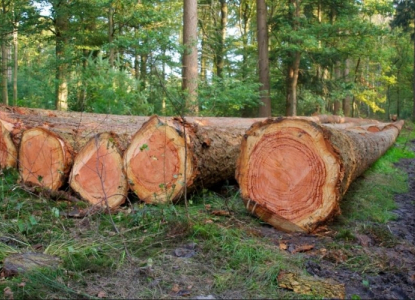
(287, 168)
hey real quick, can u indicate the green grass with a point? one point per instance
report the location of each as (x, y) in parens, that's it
(371, 197)
(130, 254)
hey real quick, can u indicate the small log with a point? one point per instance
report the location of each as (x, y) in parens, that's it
(293, 172)
(45, 159)
(98, 174)
(8, 151)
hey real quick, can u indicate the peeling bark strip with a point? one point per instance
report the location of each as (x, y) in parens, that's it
(293, 172)
(97, 173)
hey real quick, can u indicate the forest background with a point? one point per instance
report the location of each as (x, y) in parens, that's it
(254, 57)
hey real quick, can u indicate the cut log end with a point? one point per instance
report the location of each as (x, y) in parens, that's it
(44, 159)
(157, 163)
(8, 151)
(97, 173)
(289, 171)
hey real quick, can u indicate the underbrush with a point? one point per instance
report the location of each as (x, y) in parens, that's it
(211, 247)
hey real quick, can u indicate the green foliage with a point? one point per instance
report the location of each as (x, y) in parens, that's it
(110, 90)
(227, 97)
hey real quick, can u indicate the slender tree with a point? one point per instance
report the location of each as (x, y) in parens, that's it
(61, 22)
(294, 57)
(221, 37)
(4, 41)
(190, 63)
(262, 33)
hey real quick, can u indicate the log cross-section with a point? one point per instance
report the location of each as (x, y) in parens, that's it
(157, 163)
(98, 174)
(45, 159)
(293, 172)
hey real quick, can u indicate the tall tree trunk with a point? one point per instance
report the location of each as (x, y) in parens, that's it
(245, 20)
(222, 37)
(111, 34)
(337, 75)
(356, 76)
(347, 98)
(262, 33)
(61, 28)
(143, 71)
(189, 71)
(15, 63)
(4, 91)
(293, 64)
(291, 81)
(398, 100)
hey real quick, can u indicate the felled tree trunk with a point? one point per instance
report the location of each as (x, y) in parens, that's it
(40, 134)
(76, 128)
(293, 172)
(97, 173)
(161, 164)
(170, 156)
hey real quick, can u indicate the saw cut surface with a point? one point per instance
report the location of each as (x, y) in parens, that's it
(42, 158)
(98, 175)
(155, 162)
(290, 176)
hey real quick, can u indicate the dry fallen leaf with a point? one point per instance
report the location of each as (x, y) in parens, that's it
(175, 288)
(220, 213)
(283, 245)
(303, 248)
(102, 294)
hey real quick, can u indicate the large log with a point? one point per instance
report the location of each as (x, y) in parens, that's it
(293, 172)
(169, 156)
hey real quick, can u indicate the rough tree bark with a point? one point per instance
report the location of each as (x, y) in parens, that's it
(169, 156)
(8, 151)
(189, 71)
(263, 60)
(293, 172)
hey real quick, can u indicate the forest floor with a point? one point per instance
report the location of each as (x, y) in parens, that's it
(214, 249)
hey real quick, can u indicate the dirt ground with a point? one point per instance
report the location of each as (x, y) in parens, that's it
(390, 273)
